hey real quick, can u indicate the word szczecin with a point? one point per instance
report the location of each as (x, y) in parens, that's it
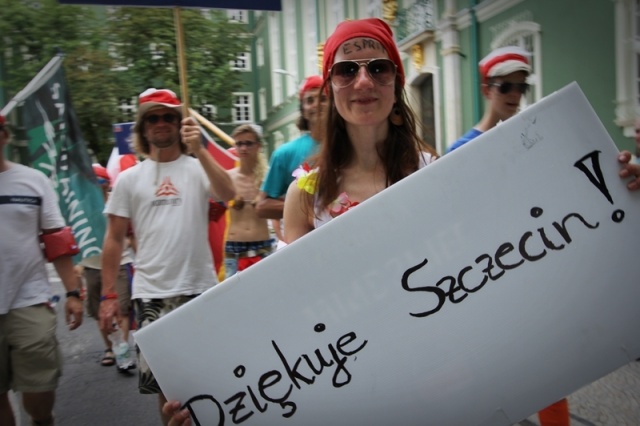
(456, 288)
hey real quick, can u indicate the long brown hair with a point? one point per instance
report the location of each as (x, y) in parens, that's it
(400, 153)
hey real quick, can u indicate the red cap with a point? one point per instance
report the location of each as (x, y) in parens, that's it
(155, 98)
(503, 61)
(2, 120)
(311, 82)
(373, 28)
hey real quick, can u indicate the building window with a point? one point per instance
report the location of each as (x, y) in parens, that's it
(242, 106)
(208, 111)
(242, 62)
(236, 15)
(527, 36)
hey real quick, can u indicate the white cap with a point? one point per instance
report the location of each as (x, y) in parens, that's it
(503, 61)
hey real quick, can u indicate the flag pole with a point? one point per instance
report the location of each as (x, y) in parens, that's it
(182, 64)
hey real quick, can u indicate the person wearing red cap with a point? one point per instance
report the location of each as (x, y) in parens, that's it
(503, 73)
(166, 200)
(287, 157)
(369, 138)
(30, 358)
(284, 160)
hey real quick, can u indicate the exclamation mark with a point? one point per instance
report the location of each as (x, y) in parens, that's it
(595, 176)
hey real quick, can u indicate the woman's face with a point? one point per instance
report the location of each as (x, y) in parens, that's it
(364, 101)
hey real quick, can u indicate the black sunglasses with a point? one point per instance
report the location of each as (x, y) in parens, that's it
(167, 118)
(506, 87)
(248, 144)
(344, 73)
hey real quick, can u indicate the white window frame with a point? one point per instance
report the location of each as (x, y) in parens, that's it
(238, 15)
(242, 62)
(515, 35)
(242, 111)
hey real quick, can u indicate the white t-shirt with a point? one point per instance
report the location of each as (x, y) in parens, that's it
(28, 204)
(168, 206)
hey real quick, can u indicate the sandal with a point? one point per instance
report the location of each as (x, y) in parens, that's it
(108, 359)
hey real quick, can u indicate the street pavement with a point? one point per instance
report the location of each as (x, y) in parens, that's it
(92, 395)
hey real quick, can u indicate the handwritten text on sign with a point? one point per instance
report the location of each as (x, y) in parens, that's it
(362, 321)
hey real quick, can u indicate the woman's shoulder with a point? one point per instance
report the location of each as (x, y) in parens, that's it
(426, 158)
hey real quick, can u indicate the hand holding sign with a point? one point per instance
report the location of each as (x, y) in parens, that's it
(629, 170)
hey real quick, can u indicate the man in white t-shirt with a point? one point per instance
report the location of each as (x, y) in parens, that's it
(165, 198)
(30, 358)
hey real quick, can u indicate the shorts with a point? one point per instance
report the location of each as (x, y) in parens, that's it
(239, 255)
(30, 357)
(93, 279)
(149, 310)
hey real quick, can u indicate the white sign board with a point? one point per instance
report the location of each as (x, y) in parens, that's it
(477, 291)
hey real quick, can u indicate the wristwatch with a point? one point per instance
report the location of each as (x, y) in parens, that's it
(73, 293)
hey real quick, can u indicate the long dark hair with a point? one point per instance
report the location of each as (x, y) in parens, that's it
(399, 154)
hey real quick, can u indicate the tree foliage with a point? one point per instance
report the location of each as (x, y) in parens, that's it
(113, 54)
(145, 42)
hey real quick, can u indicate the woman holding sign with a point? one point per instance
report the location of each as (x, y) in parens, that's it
(369, 139)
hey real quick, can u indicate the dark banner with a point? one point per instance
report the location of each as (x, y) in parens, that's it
(57, 148)
(212, 4)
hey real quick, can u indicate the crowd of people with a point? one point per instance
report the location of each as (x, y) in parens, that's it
(360, 137)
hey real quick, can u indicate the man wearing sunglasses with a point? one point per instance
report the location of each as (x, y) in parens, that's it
(166, 200)
(503, 73)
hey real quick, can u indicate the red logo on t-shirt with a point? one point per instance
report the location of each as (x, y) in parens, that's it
(166, 188)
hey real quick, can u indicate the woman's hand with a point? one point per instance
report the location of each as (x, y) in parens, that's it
(178, 417)
(629, 170)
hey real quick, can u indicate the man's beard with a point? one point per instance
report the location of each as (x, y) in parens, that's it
(163, 142)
